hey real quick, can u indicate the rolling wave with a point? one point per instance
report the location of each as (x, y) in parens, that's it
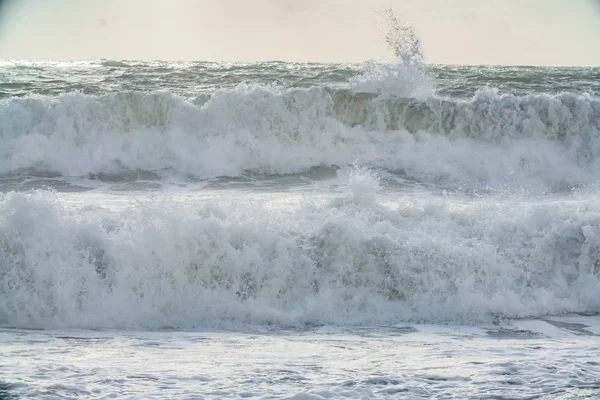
(523, 141)
(347, 261)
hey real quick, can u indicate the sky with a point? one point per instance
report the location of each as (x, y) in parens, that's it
(508, 32)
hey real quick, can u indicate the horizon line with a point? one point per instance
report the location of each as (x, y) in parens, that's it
(273, 61)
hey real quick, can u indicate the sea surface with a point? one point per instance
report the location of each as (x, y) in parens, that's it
(299, 231)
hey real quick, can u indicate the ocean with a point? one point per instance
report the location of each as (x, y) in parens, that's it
(299, 231)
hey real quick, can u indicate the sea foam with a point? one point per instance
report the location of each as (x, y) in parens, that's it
(349, 259)
(536, 142)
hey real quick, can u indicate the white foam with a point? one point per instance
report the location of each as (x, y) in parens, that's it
(535, 143)
(165, 261)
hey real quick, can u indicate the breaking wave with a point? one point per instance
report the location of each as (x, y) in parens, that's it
(348, 260)
(522, 141)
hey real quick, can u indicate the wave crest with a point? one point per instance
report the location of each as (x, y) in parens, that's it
(255, 128)
(346, 262)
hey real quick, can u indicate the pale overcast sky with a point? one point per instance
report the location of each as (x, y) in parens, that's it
(543, 32)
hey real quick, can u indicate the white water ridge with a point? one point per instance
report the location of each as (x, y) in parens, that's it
(200, 261)
(535, 142)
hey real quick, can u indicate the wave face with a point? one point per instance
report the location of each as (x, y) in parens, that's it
(348, 260)
(537, 140)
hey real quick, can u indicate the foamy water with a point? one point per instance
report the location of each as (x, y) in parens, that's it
(556, 358)
(298, 230)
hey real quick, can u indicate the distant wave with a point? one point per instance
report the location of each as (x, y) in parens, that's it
(115, 64)
(488, 140)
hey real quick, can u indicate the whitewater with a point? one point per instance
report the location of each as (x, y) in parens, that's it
(301, 231)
